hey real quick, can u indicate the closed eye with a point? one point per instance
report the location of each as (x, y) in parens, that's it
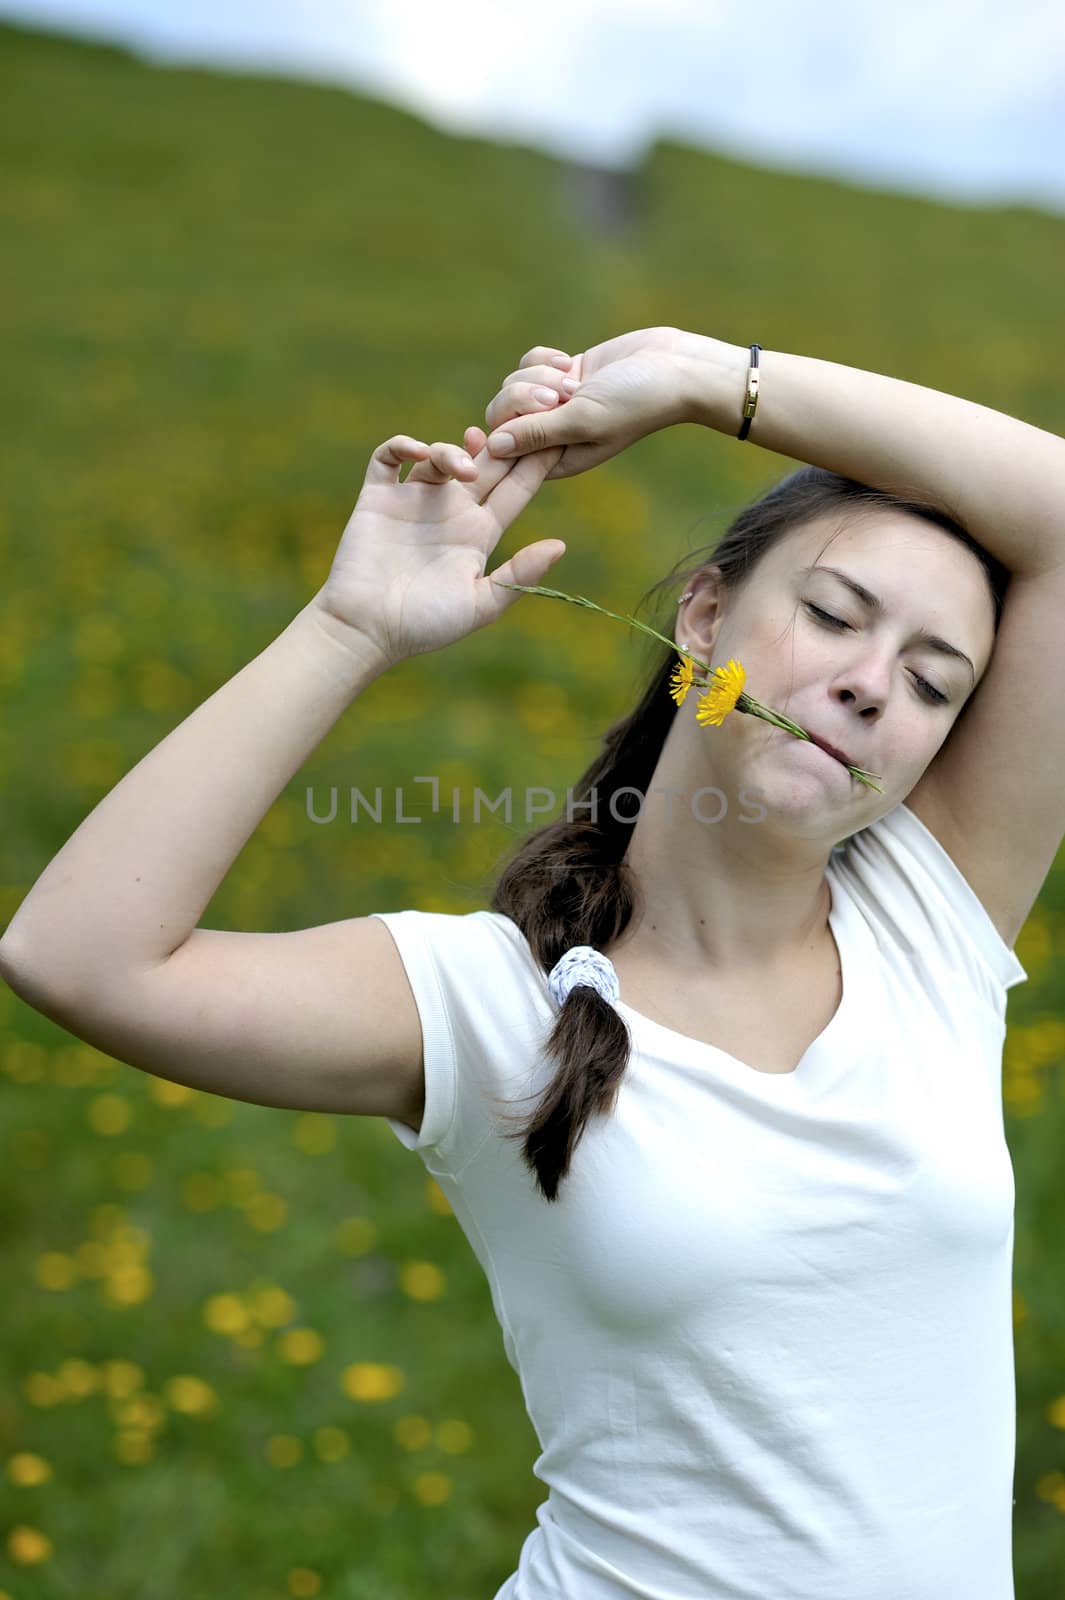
(828, 620)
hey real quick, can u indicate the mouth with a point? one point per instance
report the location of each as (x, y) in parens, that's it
(830, 749)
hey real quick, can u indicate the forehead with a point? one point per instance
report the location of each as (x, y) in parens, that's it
(901, 556)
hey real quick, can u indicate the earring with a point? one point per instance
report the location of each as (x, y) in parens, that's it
(684, 597)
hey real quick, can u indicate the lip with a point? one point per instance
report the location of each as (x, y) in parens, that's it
(831, 749)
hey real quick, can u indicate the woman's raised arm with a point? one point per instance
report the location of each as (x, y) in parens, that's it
(1001, 478)
(131, 883)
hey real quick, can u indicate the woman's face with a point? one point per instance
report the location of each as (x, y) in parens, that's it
(856, 674)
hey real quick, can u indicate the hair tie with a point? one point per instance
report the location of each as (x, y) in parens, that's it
(582, 963)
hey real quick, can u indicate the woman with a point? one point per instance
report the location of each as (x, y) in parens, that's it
(753, 1261)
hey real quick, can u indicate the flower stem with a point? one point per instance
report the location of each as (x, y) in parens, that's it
(579, 600)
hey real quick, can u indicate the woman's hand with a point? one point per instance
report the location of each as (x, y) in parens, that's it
(627, 388)
(409, 572)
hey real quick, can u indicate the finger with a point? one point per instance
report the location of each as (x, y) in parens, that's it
(550, 377)
(545, 355)
(489, 472)
(537, 389)
(386, 460)
(523, 476)
(480, 477)
(573, 423)
(528, 566)
(517, 398)
(547, 362)
(444, 461)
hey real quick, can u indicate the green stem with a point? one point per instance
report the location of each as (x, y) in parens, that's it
(579, 600)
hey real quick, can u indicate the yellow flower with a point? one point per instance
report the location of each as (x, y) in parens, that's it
(681, 680)
(722, 695)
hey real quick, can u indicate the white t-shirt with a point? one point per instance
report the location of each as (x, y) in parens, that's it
(765, 1334)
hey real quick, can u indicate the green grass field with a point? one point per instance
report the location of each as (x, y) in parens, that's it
(248, 1352)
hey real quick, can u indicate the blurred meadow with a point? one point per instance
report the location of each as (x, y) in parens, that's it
(248, 1351)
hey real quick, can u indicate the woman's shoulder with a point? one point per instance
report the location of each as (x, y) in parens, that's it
(913, 894)
(476, 943)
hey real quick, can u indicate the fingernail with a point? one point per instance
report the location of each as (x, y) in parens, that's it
(561, 361)
(545, 396)
(501, 444)
(570, 385)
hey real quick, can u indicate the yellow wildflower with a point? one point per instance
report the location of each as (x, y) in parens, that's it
(722, 695)
(681, 680)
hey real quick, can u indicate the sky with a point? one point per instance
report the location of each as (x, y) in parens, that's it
(962, 100)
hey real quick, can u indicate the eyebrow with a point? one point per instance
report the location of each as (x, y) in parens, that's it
(874, 603)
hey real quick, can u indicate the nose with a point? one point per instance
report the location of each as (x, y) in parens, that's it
(866, 682)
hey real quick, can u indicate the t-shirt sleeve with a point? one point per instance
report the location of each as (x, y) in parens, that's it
(923, 893)
(483, 1007)
(438, 1040)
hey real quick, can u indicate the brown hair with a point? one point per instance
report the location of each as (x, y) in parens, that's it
(567, 883)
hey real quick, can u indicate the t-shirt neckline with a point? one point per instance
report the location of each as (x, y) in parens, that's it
(836, 1046)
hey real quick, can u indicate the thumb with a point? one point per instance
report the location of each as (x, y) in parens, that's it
(529, 566)
(569, 424)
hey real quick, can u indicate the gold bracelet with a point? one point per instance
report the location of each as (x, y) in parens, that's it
(750, 404)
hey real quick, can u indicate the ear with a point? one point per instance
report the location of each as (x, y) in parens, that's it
(699, 616)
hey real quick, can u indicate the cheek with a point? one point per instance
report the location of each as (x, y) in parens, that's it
(930, 748)
(909, 754)
(773, 648)
(771, 630)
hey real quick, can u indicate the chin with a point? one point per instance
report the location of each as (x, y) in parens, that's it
(812, 787)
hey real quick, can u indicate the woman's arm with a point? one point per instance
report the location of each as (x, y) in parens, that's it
(1002, 479)
(132, 881)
